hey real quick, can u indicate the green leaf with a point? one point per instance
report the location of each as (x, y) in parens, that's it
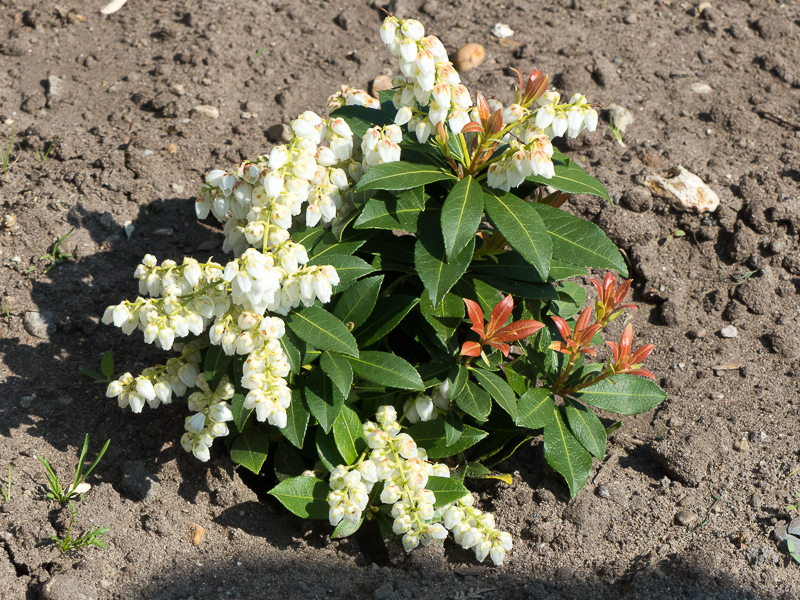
(474, 401)
(346, 432)
(215, 365)
(480, 292)
(498, 389)
(292, 349)
(623, 394)
(107, 364)
(338, 370)
(288, 462)
(446, 317)
(540, 356)
(388, 246)
(387, 369)
(561, 270)
(580, 242)
(522, 226)
(388, 314)
(327, 451)
(297, 419)
(250, 449)
(570, 178)
(507, 451)
(357, 303)
(329, 244)
(305, 496)
(520, 289)
(322, 330)
(453, 427)
(586, 427)
(240, 413)
(345, 528)
(437, 274)
(459, 379)
(535, 409)
(563, 452)
(431, 436)
(446, 490)
(400, 176)
(388, 211)
(324, 399)
(507, 266)
(308, 236)
(361, 118)
(433, 373)
(349, 268)
(461, 215)
(571, 299)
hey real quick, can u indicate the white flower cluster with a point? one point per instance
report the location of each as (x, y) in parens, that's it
(427, 407)
(428, 79)
(381, 145)
(157, 385)
(347, 96)
(474, 529)
(212, 411)
(397, 461)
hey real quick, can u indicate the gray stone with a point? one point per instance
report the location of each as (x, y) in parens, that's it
(631, 19)
(137, 483)
(729, 332)
(685, 518)
(385, 592)
(637, 199)
(55, 85)
(794, 526)
(66, 586)
(39, 324)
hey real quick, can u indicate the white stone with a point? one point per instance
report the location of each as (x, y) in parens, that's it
(686, 189)
(729, 332)
(209, 111)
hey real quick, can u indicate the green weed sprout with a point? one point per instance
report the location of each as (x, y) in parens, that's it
(6, 491)
(57, 492)
(7, 153)
(42, 156)
(56, 256)
(106, 368)
(93, 537)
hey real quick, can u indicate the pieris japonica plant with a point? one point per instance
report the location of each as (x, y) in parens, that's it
(347, 340)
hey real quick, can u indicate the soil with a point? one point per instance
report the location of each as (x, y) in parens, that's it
(690, 501)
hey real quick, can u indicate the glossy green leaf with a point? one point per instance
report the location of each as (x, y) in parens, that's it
(437, 274)
(461, 214)
(347, 432)
(308, 236)
(240, 413)
(431, 436)
(562, 270)
(571, 178)
(361, 118)
(323, 398)
(389, 211)
(459, 377)
(291, 346)
(356, 304)
(474, 401)
(215, 365)
(388, 246)
(565, 454)
(498, 389)
(479, 291)
(326, 450)
(507, 266)
(250, 449)
(519, 289)
(322, 330)
(586, 428)
(107, 364)
(571, 299)
(522, 226)
(446, 317)
(346, 528)
(304, 496)
(400, 176)
(329, 244)
(507, 451)
(388, 314)
(297, 418)
(446, 490)
(623, 394)
(535, 409)
(288, 462)
(338, 370)
(434, 373)
(453, 427)
(386, 369)
(580, 242)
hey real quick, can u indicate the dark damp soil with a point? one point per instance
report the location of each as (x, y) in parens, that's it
(691, 498)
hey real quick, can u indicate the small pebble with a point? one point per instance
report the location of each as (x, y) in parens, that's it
(685, 518)
(246, 115)
(729, 332)
(741, 445)
(380, 83)
(502, 31)
(279, 133)
(209, 111)
(468, 57)
(165, 232)
(631, 19)
(34, 324)
(701, 88)
(178, 89)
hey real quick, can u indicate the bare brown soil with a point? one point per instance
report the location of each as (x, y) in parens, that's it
(687, 503)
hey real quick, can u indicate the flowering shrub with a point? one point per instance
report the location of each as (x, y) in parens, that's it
(336, 339)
